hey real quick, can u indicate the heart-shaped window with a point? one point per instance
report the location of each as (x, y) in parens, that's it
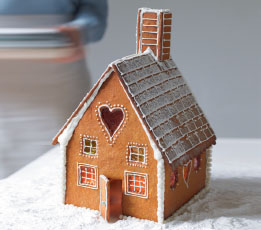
(111, 118)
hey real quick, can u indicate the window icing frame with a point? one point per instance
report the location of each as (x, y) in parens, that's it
(83, 137)
(79, 175)
(126, 181)
(129, 154)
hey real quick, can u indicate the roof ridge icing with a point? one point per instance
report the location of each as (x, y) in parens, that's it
(128, 57)
(147, 9)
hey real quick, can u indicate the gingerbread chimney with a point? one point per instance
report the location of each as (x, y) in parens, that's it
(154, 31)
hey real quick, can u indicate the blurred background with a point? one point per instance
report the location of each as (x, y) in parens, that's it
(215, 44)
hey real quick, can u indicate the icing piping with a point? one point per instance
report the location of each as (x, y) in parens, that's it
(126, 173)
(79, 176)
(92, 138)
(136, 163)
(186, 181)
(111, 139)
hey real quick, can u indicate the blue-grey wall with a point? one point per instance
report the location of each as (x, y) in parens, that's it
(217, 46)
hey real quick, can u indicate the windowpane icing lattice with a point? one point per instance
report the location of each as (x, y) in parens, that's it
(89, 146)
(137, 154)
(136, 184)
(87, 175)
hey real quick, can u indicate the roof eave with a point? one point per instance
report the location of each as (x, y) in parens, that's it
(193, 152)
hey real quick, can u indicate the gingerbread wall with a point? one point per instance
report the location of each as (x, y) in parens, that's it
(111, 160)
(175, 198)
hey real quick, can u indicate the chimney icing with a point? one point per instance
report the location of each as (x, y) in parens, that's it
(154, 31)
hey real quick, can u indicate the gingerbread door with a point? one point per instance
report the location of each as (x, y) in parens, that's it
(104, 197)
(115, 199)
(110, 198)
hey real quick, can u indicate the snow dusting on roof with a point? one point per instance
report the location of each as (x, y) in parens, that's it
(167, 105)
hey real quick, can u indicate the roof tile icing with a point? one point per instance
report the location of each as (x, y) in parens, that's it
(166, 104)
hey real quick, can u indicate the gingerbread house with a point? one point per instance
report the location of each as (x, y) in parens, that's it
(138, 144)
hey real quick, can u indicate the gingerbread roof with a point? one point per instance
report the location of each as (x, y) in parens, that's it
(166, 105)
(158, 91)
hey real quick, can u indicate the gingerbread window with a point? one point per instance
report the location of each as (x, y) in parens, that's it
(196, 162)
(173, 179)
(89, 146)
(87, 176)
(136, 184)
(136, 154)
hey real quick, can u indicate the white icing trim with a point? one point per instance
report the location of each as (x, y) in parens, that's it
(160, 189)
(111, 109)
(186, 165)
(132, 153)
(147, 51)
(208, 165)
(84, 137)
(136, 163)
(149, 10)
(127, 192)
(160, 164)
(79, 175)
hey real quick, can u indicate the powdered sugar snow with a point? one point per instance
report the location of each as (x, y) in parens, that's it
(31, 198)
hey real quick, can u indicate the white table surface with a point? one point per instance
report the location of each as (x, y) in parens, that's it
(31, 198)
